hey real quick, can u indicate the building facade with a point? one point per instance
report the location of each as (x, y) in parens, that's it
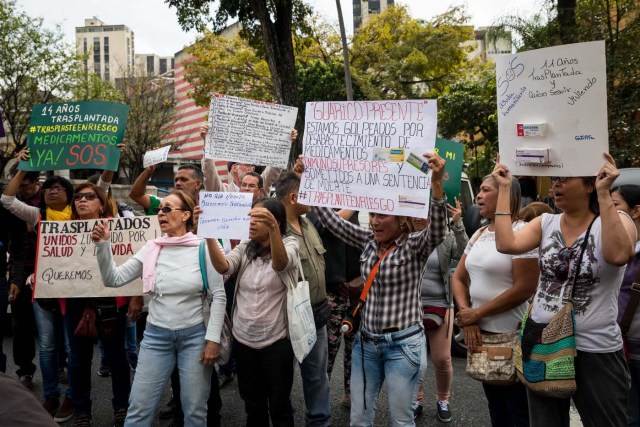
(150, 64)
(363, 9)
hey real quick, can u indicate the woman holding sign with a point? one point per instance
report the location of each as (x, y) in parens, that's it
(176, 334)
(582, 264)
(391, 344)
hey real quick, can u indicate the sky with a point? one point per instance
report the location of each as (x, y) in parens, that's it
(157, 31)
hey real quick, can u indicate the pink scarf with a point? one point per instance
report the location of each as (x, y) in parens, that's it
(153, 251)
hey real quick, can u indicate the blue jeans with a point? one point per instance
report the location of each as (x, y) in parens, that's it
(400, 362)
(49, 323)
(130, 341)
(315, 382)
(633, 409)
(160, 350)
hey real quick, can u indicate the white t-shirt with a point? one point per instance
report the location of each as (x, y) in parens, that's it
(491, 274)
(597, 286)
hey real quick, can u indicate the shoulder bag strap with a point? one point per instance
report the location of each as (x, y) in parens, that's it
(632, 305)
(203, 267)
(582, 249)
(372, 274)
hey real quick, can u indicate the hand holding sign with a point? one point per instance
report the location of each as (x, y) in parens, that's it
(501, 174)
(101, 232)
(455, 211)
(607, 174)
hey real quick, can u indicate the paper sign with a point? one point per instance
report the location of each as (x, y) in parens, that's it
(353, 154)
(249, 131)
(75, 135)
(156, 156)
(453, 153)
(67, 266)
(224, 215)
(553, 99)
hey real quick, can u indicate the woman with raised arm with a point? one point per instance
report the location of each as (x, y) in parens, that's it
(601, 373)
(266, 266)
(175, 335)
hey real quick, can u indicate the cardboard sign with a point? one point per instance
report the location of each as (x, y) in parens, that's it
(453, 153)
(67, 266)
(156, 156)
(356, 155)
(552, 110)
(75, 135)
(224, 215)
(249, 131)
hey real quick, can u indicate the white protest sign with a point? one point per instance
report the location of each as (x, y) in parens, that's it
(67, 266)
(355, 155)
(156, 156)
(224, 215)
(552, 110)
(249, 131)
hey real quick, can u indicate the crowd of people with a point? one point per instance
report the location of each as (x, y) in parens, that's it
(522, 262)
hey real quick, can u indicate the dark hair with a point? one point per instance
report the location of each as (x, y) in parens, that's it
(188, 204)
(287, 183)
(107, 207)
(254, 249)
(255, 175)
(594, 206)
(230, 165)
(111, 200)
(197, 172)
(515, 194)
(630, 193)
(64, 183)
(533, 210)
(31, 176)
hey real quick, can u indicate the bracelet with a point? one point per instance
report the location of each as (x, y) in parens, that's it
(502, 213)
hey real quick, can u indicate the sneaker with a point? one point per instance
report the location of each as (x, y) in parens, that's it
(224, 379)
(62, 376)
(82, 421)
(27, 381)
(169, 411)
(444, 414)
(417, 411)
(346, 401)
(65, 411)
(133, 362)
(51, 404)
(119, 415)
(104, 370)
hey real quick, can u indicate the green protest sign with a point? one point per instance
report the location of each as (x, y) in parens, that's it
(453, 153)
(75, 135)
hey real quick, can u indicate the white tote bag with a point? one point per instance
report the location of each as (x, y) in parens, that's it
(302, 328)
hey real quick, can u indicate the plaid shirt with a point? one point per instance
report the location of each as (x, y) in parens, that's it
(394, 297)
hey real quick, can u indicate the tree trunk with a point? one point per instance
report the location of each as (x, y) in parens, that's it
(566, 20)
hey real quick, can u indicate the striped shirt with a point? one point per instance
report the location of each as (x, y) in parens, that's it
(394, 297)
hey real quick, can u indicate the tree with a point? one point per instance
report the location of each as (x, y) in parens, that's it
(36, 68)
(407, 58)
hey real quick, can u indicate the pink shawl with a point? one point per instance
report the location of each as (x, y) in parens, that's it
(151, 256)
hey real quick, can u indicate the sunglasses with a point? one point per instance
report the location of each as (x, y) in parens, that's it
(166, 209)
(561, 179)
(89, 196)
(561, 270)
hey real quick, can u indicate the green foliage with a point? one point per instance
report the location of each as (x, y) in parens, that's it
(321, 81)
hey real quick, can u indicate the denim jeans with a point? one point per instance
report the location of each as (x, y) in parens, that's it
(24, 333)
(49, 323)
(633, 408)
(315, 382)
(400, 362)
(160, 351)
(130, 341)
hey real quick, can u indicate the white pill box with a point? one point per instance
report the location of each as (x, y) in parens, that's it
(531, 129)
(533, 155)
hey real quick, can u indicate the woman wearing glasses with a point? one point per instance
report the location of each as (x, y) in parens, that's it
(601, 373)
(175, 333)
(491, 290)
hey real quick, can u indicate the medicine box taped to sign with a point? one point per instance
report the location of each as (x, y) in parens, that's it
(355, 155)
(67, 266)
(552, 110)
(249, 131)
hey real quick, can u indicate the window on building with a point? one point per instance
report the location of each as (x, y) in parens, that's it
(163, 66)
(150, 64)
(96, 55)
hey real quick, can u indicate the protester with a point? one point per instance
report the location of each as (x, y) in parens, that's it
(313, 369)
(437, 308)
(532, 210)
(175, 334)
(253, 183)
(491, 290)
(601, 373)
(265, 265)
(4, 286)
(626, 198)
(390, 345)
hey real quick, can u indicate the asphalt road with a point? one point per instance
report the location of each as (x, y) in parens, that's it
(468, 404)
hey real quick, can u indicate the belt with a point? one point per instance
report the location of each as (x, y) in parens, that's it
(396, 336)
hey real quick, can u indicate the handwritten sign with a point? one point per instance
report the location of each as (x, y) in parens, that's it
(67, 265)
(552, 110)
(224, 215)
(453, 153)
(156, 156)
(249, 131)
(355, 155)
(75, 135)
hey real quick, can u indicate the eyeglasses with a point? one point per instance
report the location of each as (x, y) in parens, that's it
(166, 209)
(561, 179)
(561, 269)
(55, 189)
(89, 196)
(252, 186)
